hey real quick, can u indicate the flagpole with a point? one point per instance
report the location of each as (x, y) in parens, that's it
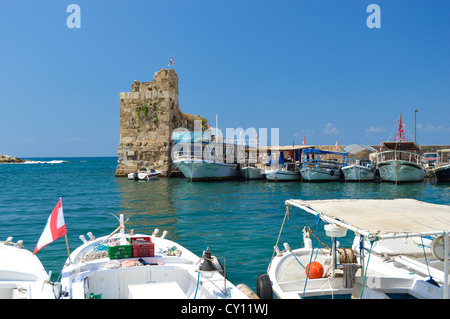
(67, 245)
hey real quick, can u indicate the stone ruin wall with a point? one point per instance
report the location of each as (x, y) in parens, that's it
(148, 116)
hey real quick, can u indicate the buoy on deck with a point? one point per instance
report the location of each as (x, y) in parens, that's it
(316, 270)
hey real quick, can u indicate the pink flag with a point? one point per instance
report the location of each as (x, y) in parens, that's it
(335, 147)
(54, 229)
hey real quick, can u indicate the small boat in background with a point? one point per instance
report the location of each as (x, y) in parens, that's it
(401, 162)
(144, 174)
(252, 172)
(442, 169)
(319, 165)
(284, 163)
(358, 169)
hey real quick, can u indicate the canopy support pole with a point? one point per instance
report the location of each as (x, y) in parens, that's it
(446, 249)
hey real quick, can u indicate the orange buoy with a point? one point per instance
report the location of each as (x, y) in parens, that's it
(316, 270)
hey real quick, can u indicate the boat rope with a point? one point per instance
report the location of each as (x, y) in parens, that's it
(298, 260)
(372, 239)
(279, 235)
(318, 219)
(196, 288)
(431, 280)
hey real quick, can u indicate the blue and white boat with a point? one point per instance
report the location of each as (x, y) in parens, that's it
(442, 171)
(319, 165)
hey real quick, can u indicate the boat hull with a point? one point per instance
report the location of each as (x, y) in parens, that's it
(279, 175)
(319, 175)
(251, 173)
(357, 173)
(204, 170)
(400, 171)
(442, 173)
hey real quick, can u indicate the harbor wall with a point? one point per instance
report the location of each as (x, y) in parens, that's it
(148, 115)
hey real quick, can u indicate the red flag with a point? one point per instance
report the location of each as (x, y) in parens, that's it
(335, 146)
(54, 229)
(304, 140)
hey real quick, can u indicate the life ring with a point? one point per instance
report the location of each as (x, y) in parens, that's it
(264, 287)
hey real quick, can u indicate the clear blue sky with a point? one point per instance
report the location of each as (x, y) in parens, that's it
(309, 68)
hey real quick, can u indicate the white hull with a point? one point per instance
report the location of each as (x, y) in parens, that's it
(22, 275)
(358, 173)
(280, 175)
(319, 175)
(144, 175)
(252, 173)
(205, 170)
(401, 171)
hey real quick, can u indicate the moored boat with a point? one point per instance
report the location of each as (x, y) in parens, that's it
(369, 269)
(358, 169)
(319, 165)
(144, 175)
(284, 163)
(252, 172)
(442, 169)
(124, 265)
(22, 275)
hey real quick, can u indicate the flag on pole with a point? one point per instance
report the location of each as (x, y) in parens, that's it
(171, 61)
(335, 146)
(54, 229)
(304, 140)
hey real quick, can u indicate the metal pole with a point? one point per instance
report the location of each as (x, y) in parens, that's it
(415, 112)
(446, 249)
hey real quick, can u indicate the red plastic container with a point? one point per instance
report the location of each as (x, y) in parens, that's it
(142, 247)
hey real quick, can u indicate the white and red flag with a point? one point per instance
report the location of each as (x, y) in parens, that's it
(171, 61)
(335, 146)
(304, 140)
(54, 229)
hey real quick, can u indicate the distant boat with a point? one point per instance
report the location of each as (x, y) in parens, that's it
(401, 162)
(252, 172)
(284, 163)
(400, 165)
(319, 165)
(358, 169)
(144, 175)
(442, 171)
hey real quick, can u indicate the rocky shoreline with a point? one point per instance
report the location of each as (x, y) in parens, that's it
(10, 159)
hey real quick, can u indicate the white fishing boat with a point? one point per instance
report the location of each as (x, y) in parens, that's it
(285, 172)
(123, 265)
(252, 172)
(22, 275)
(442, 169)
(319, 165)
(378, 265)
(401, 161)
(144, 175)
(358, 169)
(284, 162)
(400, 165)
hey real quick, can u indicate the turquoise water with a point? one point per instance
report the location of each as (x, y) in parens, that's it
(238, 220)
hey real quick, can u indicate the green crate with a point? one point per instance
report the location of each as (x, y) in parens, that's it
(119, 252)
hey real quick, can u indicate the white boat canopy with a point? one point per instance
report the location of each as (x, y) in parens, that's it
(355, 148)
(382, 218)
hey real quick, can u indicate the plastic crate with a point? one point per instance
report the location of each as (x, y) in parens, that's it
(120, 252)
(142, 247)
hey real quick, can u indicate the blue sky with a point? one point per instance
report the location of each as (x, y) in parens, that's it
(309, 68)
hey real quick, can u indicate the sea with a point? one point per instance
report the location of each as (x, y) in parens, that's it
(239, 221)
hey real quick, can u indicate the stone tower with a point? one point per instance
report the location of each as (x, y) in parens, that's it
(148, 116)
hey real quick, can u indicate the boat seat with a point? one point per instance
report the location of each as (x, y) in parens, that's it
(156, 290)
